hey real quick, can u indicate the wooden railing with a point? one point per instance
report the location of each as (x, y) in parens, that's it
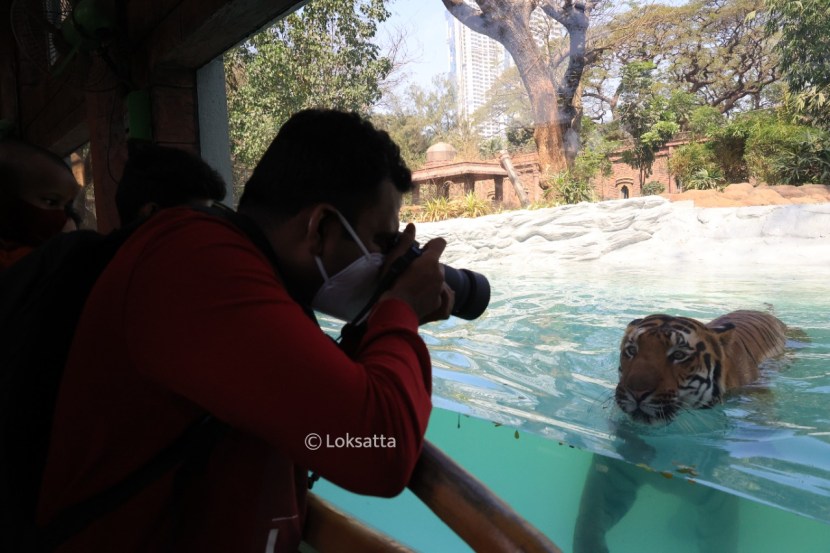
(465, 504)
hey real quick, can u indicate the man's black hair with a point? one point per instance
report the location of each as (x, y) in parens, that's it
(167, 177)
(325, 156)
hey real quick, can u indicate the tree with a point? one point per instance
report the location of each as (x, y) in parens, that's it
(419, 118)
(804, 31)
(554, 101)
(715, 49)
(319, 56)
(646, 115)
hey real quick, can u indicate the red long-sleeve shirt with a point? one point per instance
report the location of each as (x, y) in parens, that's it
(189, 318)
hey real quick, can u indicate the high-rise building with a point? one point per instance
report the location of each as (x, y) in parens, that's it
(477, 61)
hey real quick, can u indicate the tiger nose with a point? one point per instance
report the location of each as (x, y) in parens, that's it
(640, 395)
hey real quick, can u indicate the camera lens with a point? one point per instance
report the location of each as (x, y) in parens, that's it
(472, 292)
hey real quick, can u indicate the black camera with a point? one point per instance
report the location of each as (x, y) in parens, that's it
(472, 290)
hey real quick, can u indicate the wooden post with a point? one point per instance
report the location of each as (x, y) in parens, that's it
(476, 514)
(507, 163)
(108, 146)
(329, 530)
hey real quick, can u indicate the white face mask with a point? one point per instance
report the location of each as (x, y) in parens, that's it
(346, 293)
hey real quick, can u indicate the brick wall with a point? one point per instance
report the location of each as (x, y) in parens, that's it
(622, 182)
(625, 179)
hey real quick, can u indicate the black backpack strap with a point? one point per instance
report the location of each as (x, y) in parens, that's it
(191, 446)
(258, 238)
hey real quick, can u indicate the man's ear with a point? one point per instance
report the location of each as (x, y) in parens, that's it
(148, 209)
(319, 225)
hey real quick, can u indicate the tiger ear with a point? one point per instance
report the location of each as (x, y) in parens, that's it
(635, 322)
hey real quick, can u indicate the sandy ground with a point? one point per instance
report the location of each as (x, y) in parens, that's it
(744, 194)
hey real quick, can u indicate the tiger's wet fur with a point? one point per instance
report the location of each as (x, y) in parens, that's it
(669, 363)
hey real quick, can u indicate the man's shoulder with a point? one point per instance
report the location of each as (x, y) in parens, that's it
(184, 216)
(183, 226)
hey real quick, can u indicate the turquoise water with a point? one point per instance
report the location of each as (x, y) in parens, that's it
(543, 361)
(543, 480)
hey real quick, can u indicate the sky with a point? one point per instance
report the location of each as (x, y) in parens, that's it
(425, 23)
(427, 36)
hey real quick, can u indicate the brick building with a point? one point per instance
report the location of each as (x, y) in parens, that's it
(443, 175)
(623, 182)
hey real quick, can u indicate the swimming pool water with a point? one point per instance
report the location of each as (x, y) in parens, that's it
(542, 363)
(543, 480)
(544, 359)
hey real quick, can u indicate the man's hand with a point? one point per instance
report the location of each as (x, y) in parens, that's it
(422, 285)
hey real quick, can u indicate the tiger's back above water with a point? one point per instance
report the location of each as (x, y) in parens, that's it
(668, 363)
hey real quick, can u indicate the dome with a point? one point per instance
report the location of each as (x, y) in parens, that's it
(441, 151)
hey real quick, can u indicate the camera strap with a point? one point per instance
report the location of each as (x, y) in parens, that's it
(387, 280)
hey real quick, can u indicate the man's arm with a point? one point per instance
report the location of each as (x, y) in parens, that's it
(207, 319)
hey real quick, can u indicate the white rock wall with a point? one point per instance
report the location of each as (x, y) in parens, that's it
(640, 232)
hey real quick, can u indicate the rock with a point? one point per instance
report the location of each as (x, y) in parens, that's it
(744, 194)
(642, 232)
(738, 190)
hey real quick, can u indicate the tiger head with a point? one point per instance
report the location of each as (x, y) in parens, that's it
(669, 363)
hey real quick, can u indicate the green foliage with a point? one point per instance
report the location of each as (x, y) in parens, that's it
(544, 203)
(691, 158)
(323, 55)
(648, 116)
(717, 50)
(779, 152)
(591, 162)
(420, 117)
(440, 208)
(764, 145)
(810, 106)
(804, 40)
(805, 160)
(703, 179)
(564, 187)
(473, 206)
(490, 148)
(519, 138)
(704, 120)
(803, 28)
(653, 188)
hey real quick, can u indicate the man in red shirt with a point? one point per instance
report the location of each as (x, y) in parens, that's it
(191, 318)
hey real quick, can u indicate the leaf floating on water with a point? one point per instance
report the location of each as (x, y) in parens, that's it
(666, 474)
(683, 469)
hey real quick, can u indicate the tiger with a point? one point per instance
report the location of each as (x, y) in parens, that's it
(667, 364)
(670, 363)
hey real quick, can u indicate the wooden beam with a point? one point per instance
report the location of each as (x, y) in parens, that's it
(108, 146)
(8, 77)
(197, 31)
(475, 513)
(175, 108)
